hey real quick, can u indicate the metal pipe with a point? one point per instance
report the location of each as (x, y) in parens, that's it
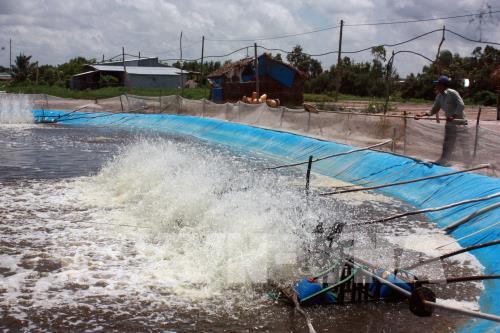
(405, 292)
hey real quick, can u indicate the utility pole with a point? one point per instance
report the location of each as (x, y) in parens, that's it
(139, 55)
(388, 73)
(103, 58)
(339, 63)
(202, 53)
(256, 59)
(182, 72)
(10, 54)
(125, 83)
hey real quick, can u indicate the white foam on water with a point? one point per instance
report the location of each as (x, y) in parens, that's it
(209, 224)
(472, 306)
(163, 223)
(15, 109)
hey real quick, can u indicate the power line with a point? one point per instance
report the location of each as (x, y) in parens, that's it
(361, 50)
(420, 20)
(210, 56)
(274, 37)
(470, 39)
(353, 25)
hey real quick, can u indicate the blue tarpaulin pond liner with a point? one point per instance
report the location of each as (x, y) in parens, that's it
(367, 166)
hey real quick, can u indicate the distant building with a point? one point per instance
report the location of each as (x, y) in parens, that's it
(4, 76)
(276, 79)
(140, 73)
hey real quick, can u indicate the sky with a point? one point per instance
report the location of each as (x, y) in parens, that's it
(53, 31)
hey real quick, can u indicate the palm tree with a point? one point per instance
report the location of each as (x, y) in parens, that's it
(23, 68)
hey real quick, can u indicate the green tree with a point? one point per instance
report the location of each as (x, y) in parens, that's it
(303, 62)
(477, 68)
(48, 75)
(72, 67)
(23, 68)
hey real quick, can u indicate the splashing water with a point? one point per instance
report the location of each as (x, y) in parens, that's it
(210, 224)
(168, 235)
(15, 109)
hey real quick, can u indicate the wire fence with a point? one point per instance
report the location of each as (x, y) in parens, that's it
(423, 140)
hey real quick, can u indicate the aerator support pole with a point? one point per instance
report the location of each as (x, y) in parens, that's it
(417, 301)
(308, 173)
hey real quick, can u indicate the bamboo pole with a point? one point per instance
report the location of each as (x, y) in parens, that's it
(257, 79)
(466, 219)
(404, 131)
(484, 166)
(377, 115)
(339, 64)
(476, 137)
(451, 254)
(461, 279)
(326, 157)
(296, 303)
(427, 210)
(308, 173)
(469, 235)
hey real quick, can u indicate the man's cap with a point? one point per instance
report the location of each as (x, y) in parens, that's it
(443, 79)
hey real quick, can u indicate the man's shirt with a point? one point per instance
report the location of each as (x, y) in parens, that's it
(451, 103)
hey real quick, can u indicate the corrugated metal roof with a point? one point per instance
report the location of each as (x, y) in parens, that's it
(140, 70)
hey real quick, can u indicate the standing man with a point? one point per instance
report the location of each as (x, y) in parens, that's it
(453, 106)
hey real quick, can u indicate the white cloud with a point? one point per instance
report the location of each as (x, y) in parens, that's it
(54, 31)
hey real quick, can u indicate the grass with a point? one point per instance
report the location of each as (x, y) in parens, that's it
(326, 98)
(191, 93)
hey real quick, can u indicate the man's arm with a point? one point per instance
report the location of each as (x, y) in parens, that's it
(435, 109)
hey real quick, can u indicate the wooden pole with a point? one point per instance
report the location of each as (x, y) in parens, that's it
(339, 63)
(476, 136)
(460, 279)
(405, 124)
(256, 60)
(484, 166)
(437, 61)
(308, 173)
(498, 104)
(387, 79)
(469, 217)
(427, 210)
(451, 254)
(125, 81)
(202, 55)
(139, 55)
(182, 72)
(326, 157)
(10, 54)
(393, 145)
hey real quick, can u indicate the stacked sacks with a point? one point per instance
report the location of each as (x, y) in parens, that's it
(262, 99)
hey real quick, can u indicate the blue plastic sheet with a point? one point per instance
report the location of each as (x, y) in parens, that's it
(376, 167)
